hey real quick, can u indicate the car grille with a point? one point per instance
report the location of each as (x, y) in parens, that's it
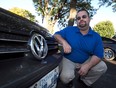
(52, 46)
(13, 43)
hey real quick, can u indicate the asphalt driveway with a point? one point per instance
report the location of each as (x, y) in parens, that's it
(108, 80)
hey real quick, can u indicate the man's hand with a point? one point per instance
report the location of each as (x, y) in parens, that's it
(83, 69)
(66, 47)
(86, 66)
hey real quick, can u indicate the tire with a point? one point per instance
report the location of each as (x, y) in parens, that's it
(108, 54)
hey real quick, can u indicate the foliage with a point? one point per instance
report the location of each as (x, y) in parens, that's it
(23, 13)
(105, 29)
(58, 10)
(108, 3)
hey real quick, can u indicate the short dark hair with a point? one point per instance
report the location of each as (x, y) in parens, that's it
(83, 10)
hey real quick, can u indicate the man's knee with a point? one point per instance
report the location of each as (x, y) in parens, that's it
(104, 68)
(101, 67)
(66, 78)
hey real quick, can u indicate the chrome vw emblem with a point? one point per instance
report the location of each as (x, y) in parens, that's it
(38, 46)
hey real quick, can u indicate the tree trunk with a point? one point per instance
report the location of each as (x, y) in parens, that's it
(73, 12)
(50, 24)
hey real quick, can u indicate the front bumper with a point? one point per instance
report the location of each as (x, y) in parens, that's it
(24, 72)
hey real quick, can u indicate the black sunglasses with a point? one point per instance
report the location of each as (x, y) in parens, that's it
(84, 16)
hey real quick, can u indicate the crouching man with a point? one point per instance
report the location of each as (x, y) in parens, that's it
(83, 50)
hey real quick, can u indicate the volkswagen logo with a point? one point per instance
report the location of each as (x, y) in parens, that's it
(38, 46)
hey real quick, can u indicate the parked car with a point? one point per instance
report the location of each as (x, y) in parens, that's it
(109, 48)
(114, 37)
(29, 56)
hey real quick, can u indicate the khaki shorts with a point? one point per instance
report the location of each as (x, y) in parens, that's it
(68, 67)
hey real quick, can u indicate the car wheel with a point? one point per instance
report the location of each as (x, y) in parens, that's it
(108, 54)
(38, 46)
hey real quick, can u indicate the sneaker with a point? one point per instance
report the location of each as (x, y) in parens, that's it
(81, 84)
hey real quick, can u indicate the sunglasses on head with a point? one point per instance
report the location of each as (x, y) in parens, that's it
(84, 16)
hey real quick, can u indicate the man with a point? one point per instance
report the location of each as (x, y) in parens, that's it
(83, 50)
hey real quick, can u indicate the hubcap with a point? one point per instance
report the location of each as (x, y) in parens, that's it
(108, 54)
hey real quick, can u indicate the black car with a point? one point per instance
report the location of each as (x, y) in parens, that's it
(114, 37)
(29, 56)
(109, 48)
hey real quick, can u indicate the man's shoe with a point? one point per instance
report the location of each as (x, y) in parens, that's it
(60, 84)
(70, 85)
(81, 84)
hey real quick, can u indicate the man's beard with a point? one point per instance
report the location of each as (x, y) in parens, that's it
(82, 26)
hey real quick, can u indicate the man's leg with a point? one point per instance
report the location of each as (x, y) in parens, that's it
(67, 71)
(94, 73)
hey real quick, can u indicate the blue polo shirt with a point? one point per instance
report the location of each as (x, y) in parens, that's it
(82, 46)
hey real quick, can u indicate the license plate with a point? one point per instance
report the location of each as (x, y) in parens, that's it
(48, 81)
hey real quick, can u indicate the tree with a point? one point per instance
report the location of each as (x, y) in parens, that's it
(53, 11)
(108, 3)
(105, 29)
(77, 4)
(23, 13)
(72, 13)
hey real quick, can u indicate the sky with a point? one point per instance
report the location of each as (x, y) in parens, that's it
(103, 14)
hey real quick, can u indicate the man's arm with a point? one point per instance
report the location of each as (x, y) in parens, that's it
(63, 42)
(93, 61)
(85, 67)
